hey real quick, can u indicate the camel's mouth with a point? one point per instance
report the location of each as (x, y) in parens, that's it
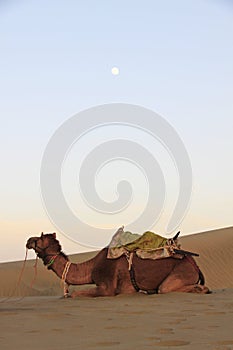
(31, 243)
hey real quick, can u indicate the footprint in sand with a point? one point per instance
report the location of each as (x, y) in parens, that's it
(33, 331)
(223, 345)
(225, 342)
(56, 329)
(166, 331)
(177, 321)
(152, 338)
(171, 343)
(108, 343)
(186, 327)
(115, 327)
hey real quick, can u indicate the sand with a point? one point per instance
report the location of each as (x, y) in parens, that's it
(41, 320)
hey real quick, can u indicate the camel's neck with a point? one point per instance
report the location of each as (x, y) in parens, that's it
(77, 274)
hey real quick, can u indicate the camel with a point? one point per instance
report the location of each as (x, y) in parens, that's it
(112, 276)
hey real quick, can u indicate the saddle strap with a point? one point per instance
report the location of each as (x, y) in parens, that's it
(133, 280)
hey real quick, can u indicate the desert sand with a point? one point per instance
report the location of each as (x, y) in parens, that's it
(38, 318)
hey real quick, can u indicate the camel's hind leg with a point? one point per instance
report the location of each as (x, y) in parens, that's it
(184, 278)
(192, 288)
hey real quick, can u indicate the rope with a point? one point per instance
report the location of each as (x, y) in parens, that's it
(20, 279)
(22, 270)
(63, 278)
(35, 273)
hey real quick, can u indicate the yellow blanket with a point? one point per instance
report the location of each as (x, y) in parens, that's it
(148, 240)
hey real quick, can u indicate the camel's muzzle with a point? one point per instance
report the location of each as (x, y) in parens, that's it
(31, 243)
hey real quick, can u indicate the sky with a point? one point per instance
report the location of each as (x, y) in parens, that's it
(174, 58)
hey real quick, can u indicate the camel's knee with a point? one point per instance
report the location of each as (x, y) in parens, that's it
(164, 289)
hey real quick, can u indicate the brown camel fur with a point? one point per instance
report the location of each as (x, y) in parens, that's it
(111, 276)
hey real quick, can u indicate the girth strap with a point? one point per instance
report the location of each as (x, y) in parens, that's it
(133, 280)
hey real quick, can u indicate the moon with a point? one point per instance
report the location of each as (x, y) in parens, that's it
(115, 71)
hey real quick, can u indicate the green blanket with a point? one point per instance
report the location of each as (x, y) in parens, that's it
(148, 240)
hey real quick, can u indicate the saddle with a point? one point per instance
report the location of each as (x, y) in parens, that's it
(149, 245)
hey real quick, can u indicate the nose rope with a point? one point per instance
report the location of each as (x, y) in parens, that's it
(22, 270)
(35, 273)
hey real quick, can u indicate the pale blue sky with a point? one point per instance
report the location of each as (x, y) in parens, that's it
(175, 57)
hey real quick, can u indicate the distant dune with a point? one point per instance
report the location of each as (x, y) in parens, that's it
(216, 262)
(216, 255)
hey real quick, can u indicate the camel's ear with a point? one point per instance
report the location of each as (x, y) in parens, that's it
(54, 235)
(42, 234)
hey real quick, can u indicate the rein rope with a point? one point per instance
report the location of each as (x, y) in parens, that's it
(20, 279)
(35, 273)
(22, 271)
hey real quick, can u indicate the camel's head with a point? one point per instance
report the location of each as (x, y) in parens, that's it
(44, 244)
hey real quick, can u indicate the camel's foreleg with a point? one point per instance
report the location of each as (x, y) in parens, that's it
(98, 291)
(66, 290)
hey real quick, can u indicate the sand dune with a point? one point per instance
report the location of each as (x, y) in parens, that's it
(216, 255)
(171, 321)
